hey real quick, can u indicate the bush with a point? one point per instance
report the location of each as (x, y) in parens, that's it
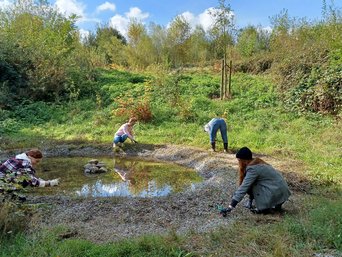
(13, 218)
(320, 92)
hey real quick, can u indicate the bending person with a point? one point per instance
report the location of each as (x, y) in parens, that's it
(212, 127)
(124, 132)
(21, 168)
(262, 182)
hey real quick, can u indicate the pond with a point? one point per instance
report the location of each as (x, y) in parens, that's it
(126, 177)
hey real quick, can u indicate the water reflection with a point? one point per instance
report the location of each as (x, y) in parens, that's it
(122, 189)
(127, 177)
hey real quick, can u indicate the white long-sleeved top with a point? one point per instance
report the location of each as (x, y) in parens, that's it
(125, 129)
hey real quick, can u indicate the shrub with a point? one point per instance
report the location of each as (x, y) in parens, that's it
(131, 107)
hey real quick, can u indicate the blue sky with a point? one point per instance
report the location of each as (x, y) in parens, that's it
(117, 13)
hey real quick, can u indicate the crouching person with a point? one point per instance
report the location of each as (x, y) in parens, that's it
(20, 169)
(262, 182)
(124, 132)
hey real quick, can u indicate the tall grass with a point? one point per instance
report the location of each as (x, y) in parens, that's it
(255, 117)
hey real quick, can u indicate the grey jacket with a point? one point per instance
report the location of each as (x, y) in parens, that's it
(268, 186)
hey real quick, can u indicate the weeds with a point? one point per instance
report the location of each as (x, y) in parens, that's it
(255, 117)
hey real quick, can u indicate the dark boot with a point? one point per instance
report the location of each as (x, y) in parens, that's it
(249, 204)
(225, 146)
(213, 146)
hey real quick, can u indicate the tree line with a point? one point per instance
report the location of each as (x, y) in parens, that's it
(44, 58)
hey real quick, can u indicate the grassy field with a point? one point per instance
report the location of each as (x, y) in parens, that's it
(173, 109)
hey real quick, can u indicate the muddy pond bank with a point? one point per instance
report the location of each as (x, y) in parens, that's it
(114, 218)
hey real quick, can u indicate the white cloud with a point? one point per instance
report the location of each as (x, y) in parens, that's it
(84, 34)
(136, 13)
(121, 23)
(267, 29)
(4, 4)
(106, 6)
(204, 19)
(189, 17)
(68, 7)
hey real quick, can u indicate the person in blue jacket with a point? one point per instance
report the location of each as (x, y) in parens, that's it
(212, 127)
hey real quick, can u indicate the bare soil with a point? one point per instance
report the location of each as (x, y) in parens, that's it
(194, 210)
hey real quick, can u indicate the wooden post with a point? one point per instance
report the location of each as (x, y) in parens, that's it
(230, 78)
(222, 79)
(225, 79)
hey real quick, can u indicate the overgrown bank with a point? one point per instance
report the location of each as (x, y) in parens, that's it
(185, 224)
(175, 108)
(172, 109)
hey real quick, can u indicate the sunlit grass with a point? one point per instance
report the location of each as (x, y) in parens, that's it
(255, 119)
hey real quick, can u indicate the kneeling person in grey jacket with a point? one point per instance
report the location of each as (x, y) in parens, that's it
(261, 181)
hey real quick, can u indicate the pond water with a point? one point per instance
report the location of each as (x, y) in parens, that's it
(126, 177)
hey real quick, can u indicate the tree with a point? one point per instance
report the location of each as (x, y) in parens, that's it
(109, 43)
(252, 40)
(178, 35)
(222, 28)
(140, 51)
(222, 31)
(199, 46)
(40, 48)
(158, 35)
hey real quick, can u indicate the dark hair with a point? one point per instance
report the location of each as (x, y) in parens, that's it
(244, 153)
(35, 153)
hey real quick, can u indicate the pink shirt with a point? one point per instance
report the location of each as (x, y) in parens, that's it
(125, 129)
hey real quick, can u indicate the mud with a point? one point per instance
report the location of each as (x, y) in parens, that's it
(194, 210)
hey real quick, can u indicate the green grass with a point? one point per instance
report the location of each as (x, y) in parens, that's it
(255, 117)
(311, 228)
(51, 243)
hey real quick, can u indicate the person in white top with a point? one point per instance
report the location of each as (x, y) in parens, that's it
(124, 132)
(212, 127)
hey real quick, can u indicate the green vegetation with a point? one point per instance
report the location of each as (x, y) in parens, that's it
(286, 102)
(51, 243)
(176, 109)
(256, 118)
(313, 229)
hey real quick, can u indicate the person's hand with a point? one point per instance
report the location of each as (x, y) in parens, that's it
(225, 211)
(54, 182)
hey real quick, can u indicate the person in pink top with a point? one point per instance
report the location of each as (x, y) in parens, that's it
(124, 132)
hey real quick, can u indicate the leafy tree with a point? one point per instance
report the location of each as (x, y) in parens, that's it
(108, 42)
(198, 52)
(178, 36)
(158, 35)
(140, 52)
(41, 49)
(222, 29)
(252, 40)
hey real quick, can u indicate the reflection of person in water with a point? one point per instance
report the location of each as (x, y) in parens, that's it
(121, 173)
(125, 173)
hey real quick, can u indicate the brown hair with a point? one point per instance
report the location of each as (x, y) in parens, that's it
(35, 153)
(243, 166)
(133, 119)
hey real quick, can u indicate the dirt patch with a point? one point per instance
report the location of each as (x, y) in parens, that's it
(111, 219)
